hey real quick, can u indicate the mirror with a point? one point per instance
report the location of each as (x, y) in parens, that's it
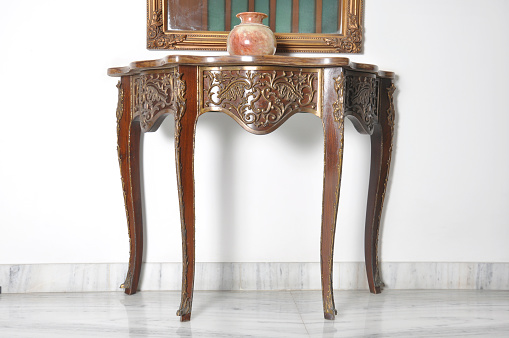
(325, 26)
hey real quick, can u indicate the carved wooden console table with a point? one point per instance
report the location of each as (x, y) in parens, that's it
(260, 93)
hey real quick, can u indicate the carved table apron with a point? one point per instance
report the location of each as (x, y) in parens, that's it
(260, 93)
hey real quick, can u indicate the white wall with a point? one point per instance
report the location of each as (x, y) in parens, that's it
(258, 197)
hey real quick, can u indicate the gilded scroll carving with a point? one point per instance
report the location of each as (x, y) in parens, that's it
(329, 307)
(390, 111)
(185, 305)
(339, 105)
(186, 299)
(260, 99)
(120, 104)
(362, 100)
(156, 38)
(156, 93)
(352, 41)
(339, 116)
(128, 279)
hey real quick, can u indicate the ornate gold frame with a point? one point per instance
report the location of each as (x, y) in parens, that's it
(349, 41)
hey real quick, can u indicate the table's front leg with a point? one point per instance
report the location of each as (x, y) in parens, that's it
(128, 133)
(333, 125)
(381, 150)
(185, 124)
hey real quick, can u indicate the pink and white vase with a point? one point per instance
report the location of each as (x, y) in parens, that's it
(251, 37)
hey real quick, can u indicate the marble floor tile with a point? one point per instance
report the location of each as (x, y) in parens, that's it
(394, 313)
(405, 313)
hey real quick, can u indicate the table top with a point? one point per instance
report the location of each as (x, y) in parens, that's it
(228, 60)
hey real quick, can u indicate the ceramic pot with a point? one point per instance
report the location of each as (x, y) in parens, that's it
(251, 37)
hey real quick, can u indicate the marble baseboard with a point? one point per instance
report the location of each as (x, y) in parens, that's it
(252, 276)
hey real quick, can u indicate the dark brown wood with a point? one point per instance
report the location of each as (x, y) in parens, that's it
(333, 126)
(251, 5)
(318, 16)
(128, 133)
(228, 60)
(295, 16)
(184, 156)
(272, 15)
(381, 150)
(363, 66)
(228, 15)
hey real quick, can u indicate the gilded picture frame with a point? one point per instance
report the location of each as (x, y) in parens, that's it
(348, 39)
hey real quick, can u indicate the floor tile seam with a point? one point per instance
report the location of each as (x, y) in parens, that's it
(300, 315)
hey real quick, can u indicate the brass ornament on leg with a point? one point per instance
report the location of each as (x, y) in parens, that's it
(129, 277)
(390, 111)
(120, 103)
(339, 105)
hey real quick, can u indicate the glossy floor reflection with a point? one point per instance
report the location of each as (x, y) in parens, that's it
(416, 313)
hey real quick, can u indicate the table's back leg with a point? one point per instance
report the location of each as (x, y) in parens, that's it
(381, 149)
(128, 133)
(185, 123)
(333, 124)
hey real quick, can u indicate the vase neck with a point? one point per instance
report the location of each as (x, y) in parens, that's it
(251, 17)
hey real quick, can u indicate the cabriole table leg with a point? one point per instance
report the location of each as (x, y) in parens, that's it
(128, 133)
(185, 125)
(381, 150)
(333, 125)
